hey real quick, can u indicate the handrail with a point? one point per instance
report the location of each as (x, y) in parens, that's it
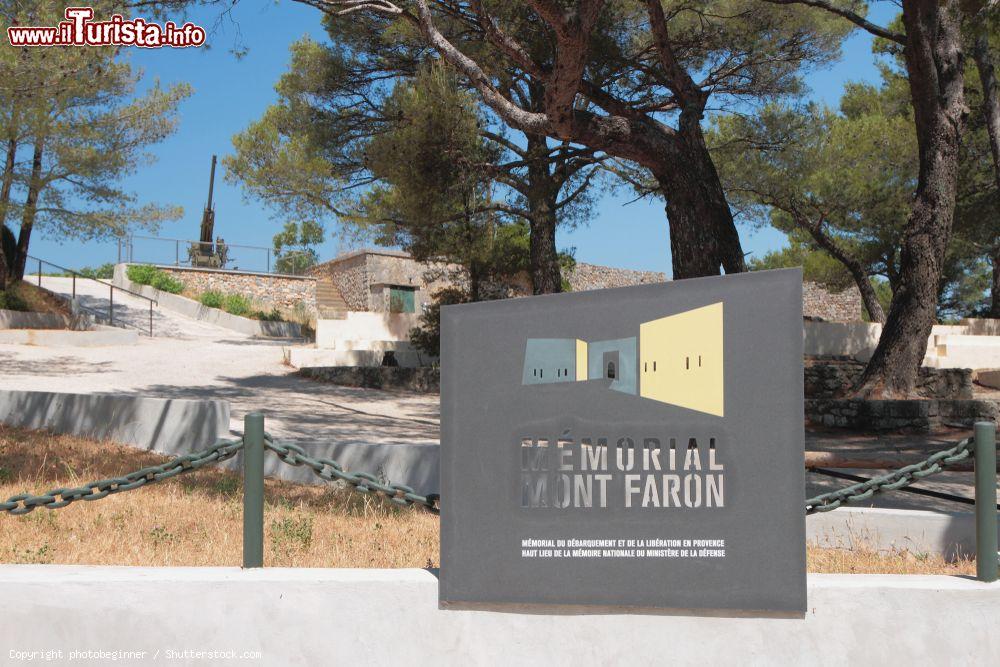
(97, 280)
(269, 253)
(228, 245)
(111, 294)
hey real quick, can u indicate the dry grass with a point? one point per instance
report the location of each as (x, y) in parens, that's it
(38, 300)
(867, 561)
(195, 519)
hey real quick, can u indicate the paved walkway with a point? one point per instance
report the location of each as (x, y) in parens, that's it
(191, 359)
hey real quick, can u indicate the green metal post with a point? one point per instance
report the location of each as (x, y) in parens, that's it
(986, 501)
(253, 490)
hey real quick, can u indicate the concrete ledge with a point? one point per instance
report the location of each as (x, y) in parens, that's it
(196, 311)
(950, 534)
(988, 378)
(168, 426)
(101, 337)
(392, 617)
(14, 319)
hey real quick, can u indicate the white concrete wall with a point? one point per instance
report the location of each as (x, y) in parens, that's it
(849, 339)
(168, 426)
(358, 329)
(324, 617)
(958, 351)
(948, 346)
(194, 310)
(950, 534)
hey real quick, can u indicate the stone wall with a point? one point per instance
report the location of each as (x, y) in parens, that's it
(900, 415)
(364, 278)
(830, 378)
(822, 304)
(267, 290)
(591, 276)
(424, 380)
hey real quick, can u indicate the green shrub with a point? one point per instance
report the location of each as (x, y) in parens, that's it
(141, 273)
(147, 274)
(267, 316)
(211, 299)
(167, 283)
(236, 304)
(103, 272)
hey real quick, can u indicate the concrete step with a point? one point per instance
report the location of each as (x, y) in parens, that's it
(328, 297)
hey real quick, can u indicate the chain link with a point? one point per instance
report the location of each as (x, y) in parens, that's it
(56, 498)
(897, 479)
(405, 496)
(363, 482)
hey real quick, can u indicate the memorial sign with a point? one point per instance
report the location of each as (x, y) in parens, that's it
(637, 447)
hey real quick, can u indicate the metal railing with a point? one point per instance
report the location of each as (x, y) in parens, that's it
(177, 252)
(111, 293)
(981, 447)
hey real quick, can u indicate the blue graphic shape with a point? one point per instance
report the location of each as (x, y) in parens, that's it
(549, 361)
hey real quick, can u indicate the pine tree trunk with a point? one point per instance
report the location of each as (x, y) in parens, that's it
(546, 277)
(853, 266)
(30, 208)
(542, 194)
(995, 286)
(991, 112)
(934, 61)
(6, 182)
(703, 236)
(869, 298)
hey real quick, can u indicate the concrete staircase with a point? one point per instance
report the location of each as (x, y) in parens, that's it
(330, 303)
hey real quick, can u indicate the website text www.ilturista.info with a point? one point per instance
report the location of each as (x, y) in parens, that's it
(80, 30)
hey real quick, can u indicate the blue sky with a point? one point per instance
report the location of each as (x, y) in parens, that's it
(231, 92)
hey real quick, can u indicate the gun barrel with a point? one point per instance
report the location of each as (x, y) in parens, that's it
(211, 185)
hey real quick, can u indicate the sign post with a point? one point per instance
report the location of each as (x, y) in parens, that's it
(634, 447)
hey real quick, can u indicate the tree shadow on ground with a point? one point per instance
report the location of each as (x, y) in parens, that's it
(61, 366)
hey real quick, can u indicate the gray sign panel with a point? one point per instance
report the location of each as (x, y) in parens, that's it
(636, 447)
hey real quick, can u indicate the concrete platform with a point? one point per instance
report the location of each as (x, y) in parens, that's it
(99, 337)
(280, 616)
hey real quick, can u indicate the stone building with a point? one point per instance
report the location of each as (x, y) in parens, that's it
(377, 280)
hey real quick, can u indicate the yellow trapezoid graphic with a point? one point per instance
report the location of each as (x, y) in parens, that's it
(680, 359)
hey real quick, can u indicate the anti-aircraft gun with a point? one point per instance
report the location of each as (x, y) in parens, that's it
(205, 253)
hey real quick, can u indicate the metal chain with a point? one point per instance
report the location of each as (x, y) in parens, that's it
(405, 496)
(56, 498)
(897, 479)
(363, 482)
